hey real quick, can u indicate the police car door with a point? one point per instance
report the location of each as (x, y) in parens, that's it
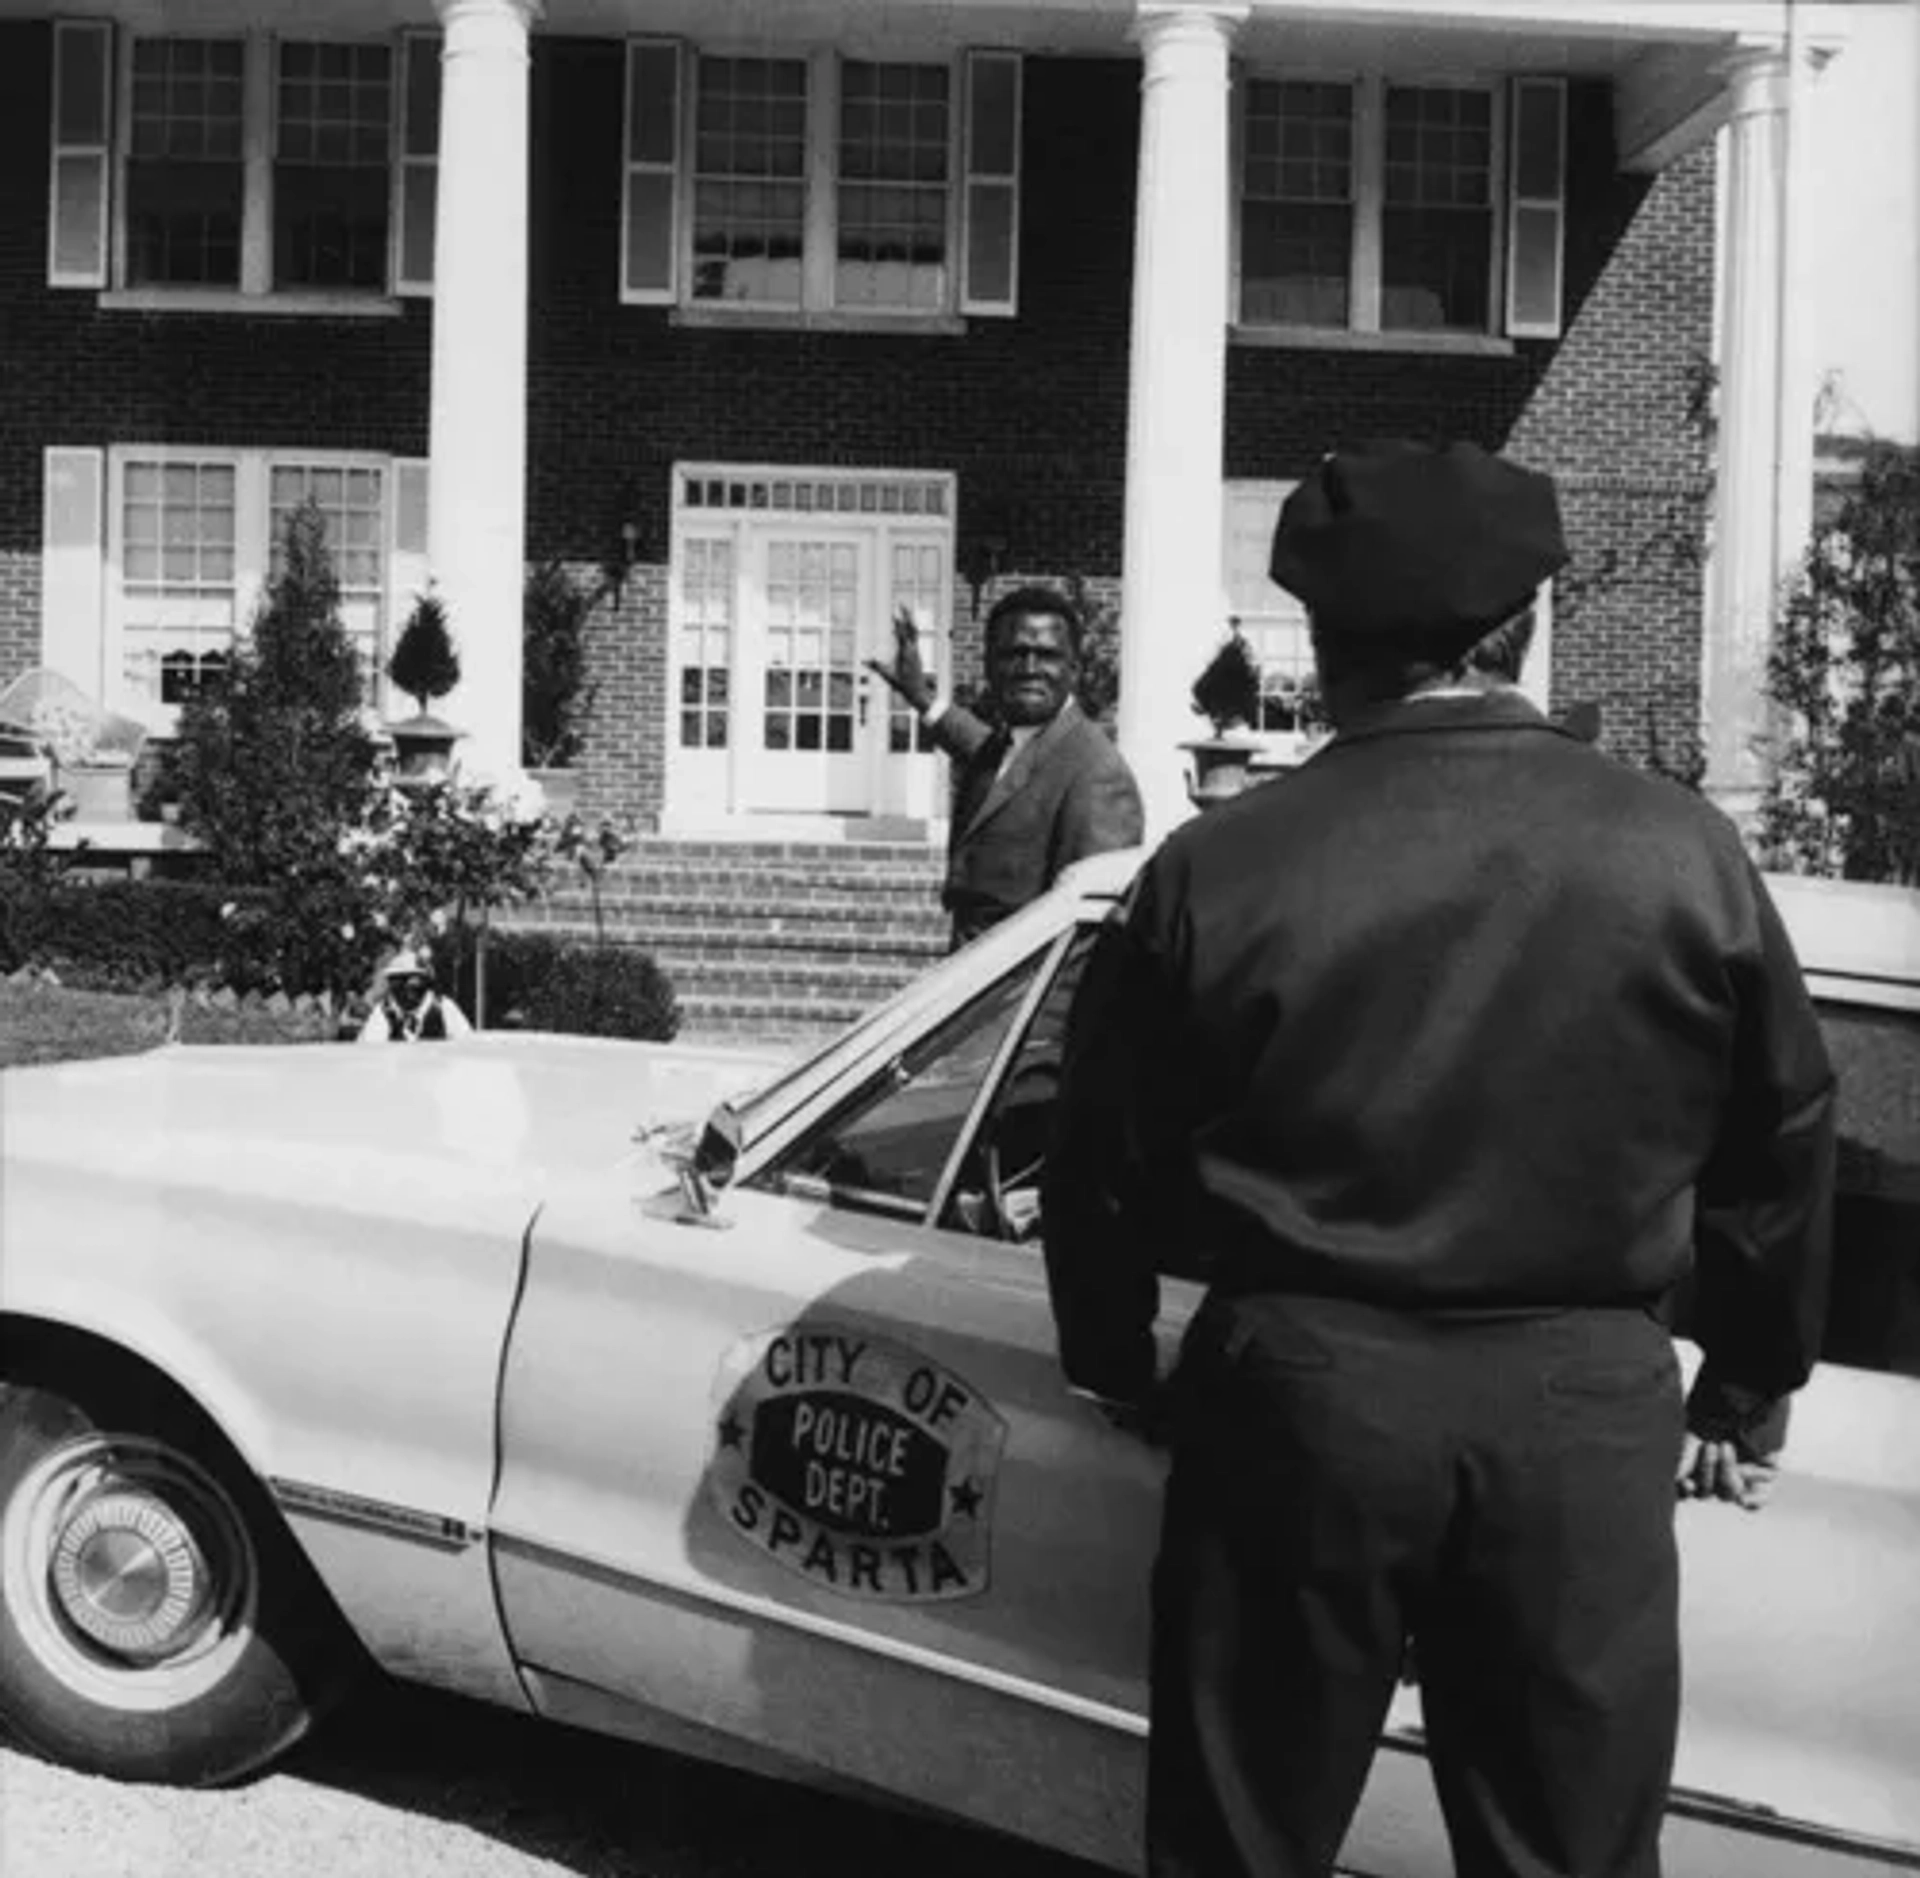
(812, 1485)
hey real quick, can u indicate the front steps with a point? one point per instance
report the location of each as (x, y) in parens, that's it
(768, 941)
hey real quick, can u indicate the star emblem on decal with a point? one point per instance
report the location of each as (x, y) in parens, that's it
(731, 1432)
(966, 1498)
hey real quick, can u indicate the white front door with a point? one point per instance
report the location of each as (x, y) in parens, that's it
(809, 724)
(784, 584)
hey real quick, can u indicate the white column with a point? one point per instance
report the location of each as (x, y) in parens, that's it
(1172, 609)
(1763, 491)
(476, 503)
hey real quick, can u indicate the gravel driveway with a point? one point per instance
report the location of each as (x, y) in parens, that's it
(403, 1784)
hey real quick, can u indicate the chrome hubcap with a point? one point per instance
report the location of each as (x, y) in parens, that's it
(128, 1573)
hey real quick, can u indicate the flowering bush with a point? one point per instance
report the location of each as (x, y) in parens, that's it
(430, 854)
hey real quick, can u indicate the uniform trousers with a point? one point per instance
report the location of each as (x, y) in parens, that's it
(1499, 1490)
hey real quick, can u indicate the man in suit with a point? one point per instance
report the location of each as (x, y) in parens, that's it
(1446, 1060)
(1039, 787)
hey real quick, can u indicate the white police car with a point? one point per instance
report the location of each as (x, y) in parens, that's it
(427, 1356)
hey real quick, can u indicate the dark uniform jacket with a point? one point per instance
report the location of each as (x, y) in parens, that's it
(1461, 1015)
(1067, 794)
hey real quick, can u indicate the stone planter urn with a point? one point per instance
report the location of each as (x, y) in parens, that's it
(1222, 766)
(99, 792)
(559, 791)
(423, 748)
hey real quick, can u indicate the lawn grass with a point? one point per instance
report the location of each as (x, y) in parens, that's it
(42, 1023)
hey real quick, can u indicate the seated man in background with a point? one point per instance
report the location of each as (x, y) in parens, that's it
(1040, 786)
(410, 1009)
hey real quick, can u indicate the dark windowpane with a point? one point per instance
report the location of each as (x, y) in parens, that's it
(183, 223)
(806, 731)
(1295, 264)
(1435, 269)
(329, 226)
(839, 733)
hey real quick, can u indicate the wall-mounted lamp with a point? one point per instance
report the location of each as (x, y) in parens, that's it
(620, 561)
(984, 554)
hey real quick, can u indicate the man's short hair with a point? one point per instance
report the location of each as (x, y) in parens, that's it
(1390, 666)
(1044, 601)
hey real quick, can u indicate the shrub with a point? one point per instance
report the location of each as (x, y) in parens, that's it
(1098, 691)
(119, 934)
(603, 991)
(554, 694)
(272, 762)
(517, 962)
(424, 664)
(1844, 794)
(1227, 692)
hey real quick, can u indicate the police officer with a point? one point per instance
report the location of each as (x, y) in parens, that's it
(1446, 1059)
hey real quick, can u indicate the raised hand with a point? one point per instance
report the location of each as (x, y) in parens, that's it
(907, 674)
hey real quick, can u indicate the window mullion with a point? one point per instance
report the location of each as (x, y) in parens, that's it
(256, 221)
(1369, 192)
(822, 212)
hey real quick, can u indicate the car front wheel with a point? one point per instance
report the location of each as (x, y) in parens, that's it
(157, 1622)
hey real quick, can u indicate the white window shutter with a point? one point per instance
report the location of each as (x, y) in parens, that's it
(416, 163)
(78, 218)
(1536, 208)
(408, 568)
(650, 175)
(72, 567)
(990, 207)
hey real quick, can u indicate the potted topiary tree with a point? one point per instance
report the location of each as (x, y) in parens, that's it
(1227, 694)
(426, 667)
(554, 694)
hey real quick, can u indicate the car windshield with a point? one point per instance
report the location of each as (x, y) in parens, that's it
(1025, 933)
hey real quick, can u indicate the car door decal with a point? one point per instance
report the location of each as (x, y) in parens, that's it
(862, 1465)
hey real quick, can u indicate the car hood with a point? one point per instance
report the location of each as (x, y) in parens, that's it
(505, 1108)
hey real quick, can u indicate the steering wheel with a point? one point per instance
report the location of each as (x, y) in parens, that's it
(1028, 1095)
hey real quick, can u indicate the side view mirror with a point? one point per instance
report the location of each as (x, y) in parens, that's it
(704, 1163)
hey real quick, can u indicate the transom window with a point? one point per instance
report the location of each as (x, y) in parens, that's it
(809, 183)
(1371, 207)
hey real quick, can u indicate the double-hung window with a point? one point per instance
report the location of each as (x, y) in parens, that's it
(244, 165)
(195, 536)
(816, 184)
(1383, 208)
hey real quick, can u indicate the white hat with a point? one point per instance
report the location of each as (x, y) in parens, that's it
(406, 963)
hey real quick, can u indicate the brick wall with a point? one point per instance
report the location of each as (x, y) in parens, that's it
(1029, 413)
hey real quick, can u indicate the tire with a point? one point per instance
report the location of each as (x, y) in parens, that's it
(157, 1622)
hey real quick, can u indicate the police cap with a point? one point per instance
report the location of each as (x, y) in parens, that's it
(1410, 542)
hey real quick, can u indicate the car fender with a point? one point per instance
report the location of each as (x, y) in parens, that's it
(347, 1345)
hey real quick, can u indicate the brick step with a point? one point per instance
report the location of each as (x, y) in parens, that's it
(856, 912)
(759, 890)
(692, 931)
(855, 988)
(763, 1020)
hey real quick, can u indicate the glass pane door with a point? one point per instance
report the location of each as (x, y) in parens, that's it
(807, 702)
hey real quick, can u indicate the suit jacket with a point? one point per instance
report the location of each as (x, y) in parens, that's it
(1461, 1015)
(1067, 794)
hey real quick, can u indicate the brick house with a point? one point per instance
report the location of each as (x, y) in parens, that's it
(766, 317)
